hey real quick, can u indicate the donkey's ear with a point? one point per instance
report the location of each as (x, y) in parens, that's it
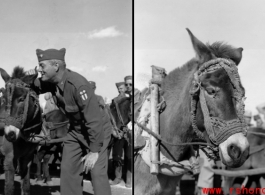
(236, 55)
(4, 75)
(29, 79)
(201, 50)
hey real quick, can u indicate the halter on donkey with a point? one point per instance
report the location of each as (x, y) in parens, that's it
(21, 114)
(217, 129)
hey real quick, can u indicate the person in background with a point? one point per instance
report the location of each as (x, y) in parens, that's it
(121, 150)
(107, 101)
(99, 98)
(121, 88)
(128, 84)
(248, 117)
(261, 108)
(259, 121)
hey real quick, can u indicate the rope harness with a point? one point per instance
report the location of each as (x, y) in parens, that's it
(123, 126)
(217, 129)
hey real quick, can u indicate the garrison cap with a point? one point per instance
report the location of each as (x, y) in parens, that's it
(127, 78)
(257, 117)
(119, 84)
(93, 84)
(50, 54)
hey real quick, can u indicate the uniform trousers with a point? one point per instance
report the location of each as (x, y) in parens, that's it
(206, 176)
(119, 146)
(72, 167)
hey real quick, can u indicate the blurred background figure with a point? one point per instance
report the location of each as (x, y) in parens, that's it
(259, 121)
(248, 117)
(261, 108)
(121, 88)
(128, 84)
(107, 101)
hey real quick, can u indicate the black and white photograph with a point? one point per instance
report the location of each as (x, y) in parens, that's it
(199, 100)
(66, 97)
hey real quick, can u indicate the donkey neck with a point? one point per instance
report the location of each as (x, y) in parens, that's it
(175, 125)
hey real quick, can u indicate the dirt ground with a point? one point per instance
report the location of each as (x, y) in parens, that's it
(44, 189)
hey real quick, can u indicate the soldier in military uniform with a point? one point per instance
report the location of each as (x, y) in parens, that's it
(119, 145)
(99, 98)
(128, 144)
(121, 88)
(85, 146)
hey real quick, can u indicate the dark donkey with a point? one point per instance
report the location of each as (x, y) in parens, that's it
(22, 115)
(55, 124)
(204, 98)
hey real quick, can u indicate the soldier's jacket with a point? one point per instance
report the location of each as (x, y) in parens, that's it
(101, 102)
(76, 98)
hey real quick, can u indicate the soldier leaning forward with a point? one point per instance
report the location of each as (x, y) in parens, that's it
(85, 146)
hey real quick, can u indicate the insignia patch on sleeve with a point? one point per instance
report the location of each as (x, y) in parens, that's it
(83, 95)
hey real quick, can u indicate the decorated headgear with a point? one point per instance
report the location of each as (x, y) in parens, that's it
(127, 78)
(257, 117)
(50, 54)
(93, 84)
(119, 84)
(248, 113)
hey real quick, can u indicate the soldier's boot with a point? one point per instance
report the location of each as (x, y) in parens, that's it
(118, 175)
(128, 179)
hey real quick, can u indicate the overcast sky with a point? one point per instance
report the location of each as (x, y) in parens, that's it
(97, 35)
(161, 38)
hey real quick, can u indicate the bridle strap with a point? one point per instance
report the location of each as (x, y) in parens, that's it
(226, 128)
(21, 120)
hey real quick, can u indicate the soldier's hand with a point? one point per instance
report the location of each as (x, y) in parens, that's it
(32, 71)
(89, 161)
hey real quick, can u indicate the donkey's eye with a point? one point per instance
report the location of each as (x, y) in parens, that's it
(211, 90)
(21, 99)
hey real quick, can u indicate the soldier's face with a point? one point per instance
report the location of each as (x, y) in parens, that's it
(47, 70)
(128, 84)
(122, 89)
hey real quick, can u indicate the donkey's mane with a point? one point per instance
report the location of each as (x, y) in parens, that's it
(176, 77)
(222, 50)
(18, 72)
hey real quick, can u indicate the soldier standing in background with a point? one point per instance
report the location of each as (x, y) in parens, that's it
(121, 88)
(119, 146)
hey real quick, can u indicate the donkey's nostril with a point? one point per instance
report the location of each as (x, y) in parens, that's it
(11, 136)
(234, 151)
